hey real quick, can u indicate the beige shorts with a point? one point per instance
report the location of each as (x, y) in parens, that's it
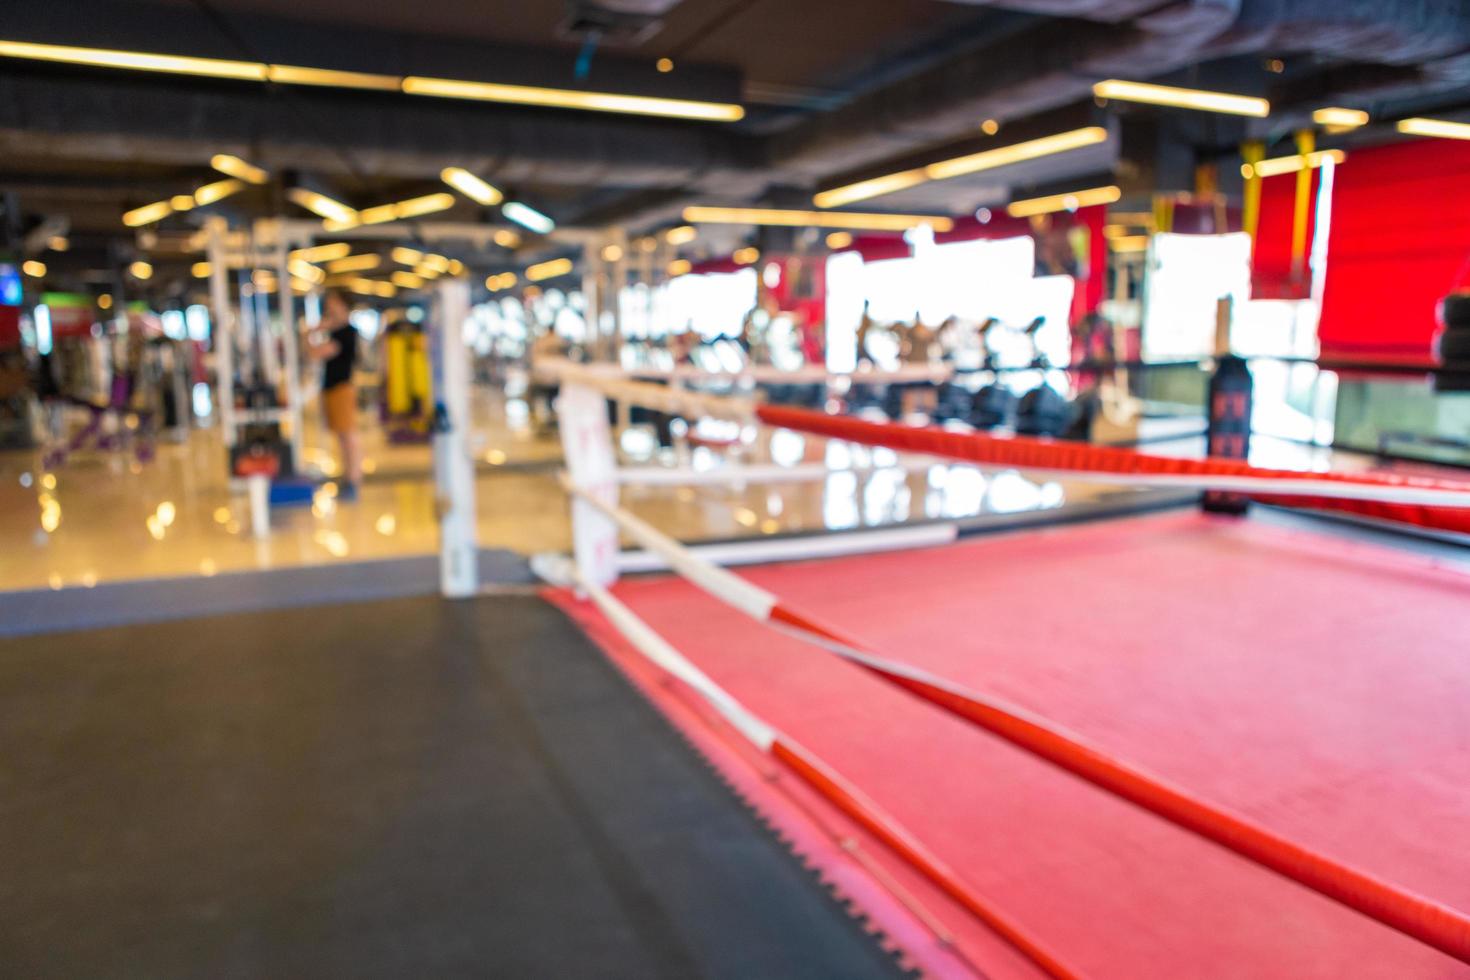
(340, 403)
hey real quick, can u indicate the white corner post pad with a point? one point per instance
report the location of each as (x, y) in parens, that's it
(454, 470)
(592, 468)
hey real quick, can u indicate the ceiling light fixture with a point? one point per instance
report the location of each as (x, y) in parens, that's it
(1064, 202)
(1277, 166)
(147, 214)
(406, 279)
(471, 186)
(815, 219)
(1340, 119)
(217, 191)
(404, 255)
(201, 270)
(1001, 156)
(682, 235)
(416, 207)
(1442, 128)
(233, 166)
(839, 240)
(323, 253)
(1182, 98)
(295, 75)
(34, 268)
(182, 202)
(135, 60)
(141, 270)
(559, 98)
(302, 269)
(254, 71)
(528, 217)
(749, 255)
(320, 204)
(506, 238)
(549, 270)
(680, 267)
(355, 263)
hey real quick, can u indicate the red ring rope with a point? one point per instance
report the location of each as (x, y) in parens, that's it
(1024, 451)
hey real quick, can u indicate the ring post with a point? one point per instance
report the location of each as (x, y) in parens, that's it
(591, 466)
(454, 471)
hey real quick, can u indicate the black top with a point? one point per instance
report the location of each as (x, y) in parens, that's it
(337, 369)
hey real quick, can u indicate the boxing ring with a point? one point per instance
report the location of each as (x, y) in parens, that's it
(1175, 744)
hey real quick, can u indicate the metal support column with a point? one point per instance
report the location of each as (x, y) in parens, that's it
(222, 319)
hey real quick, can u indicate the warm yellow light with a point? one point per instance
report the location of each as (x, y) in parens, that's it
(503, 281)
(355, 263)
(294, 75)
(182, 202)
(1064, 202)
(1277, 166)
(680, 267)
(816, 219)
(1442, 128)
(1000, 156)
(839, 240)
(372, 287)
(647, 244)
(456, 267)
(642, 105)
(746, 256)
(664, 65)
(136, 60)
(320, 204)
(302, 269)
(58, 243)
(682, 235)
(1129, 243)
(377, 215)
(873, 187)
(233, 166)
(217, 191)
(442, 87)
(549, 270)
(611, 253)
(264, 280)
(34, 268)
(1017, 152)
(438, 263)
(506, 238)
(341, 224)
(201, 270)
(147, 214)
(323, 253)
(471, 186)
(427, 271)
(428, 204)
(990, 127)
(1182, 98)
(1340, 118)
(406, 279)
(104, 301)
(141, 270)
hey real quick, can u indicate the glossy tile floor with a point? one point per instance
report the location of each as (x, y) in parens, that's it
(104, 516)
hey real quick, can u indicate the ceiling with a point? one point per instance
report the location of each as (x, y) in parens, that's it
(834, 91)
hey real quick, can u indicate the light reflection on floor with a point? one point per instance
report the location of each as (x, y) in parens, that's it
(105, 516)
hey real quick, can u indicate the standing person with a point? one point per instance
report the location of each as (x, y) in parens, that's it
(338, 354)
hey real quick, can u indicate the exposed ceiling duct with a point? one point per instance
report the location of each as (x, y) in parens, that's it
(1051, 65)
